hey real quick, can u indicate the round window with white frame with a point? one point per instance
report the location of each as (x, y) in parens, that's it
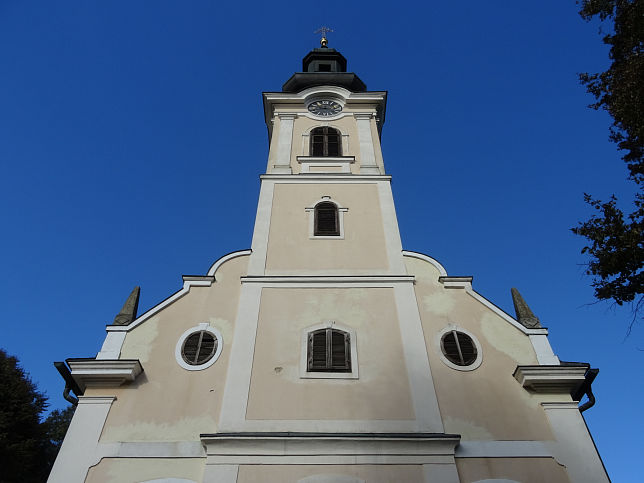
(199, 347)
(458, 348)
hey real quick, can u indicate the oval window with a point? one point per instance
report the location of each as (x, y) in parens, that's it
(199, 348)
(458, 348)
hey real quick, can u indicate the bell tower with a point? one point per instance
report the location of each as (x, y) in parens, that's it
(326, 274)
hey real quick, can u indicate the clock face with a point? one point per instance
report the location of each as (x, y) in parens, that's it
(325, 108)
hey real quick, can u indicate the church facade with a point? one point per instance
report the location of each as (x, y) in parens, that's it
(326, 352)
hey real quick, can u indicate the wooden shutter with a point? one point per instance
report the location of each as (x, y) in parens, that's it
(317, 353)
(468, 349)
(199, 347)
(340, 351)
(329, 351)
(326, 219)
(459, 348)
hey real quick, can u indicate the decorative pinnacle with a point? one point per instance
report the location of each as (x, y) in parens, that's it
(524, 314)
(131, 306)
(323, 30)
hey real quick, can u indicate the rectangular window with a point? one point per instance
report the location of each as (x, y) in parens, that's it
(329, 350)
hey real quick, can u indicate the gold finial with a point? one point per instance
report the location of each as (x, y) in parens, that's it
(323, 30)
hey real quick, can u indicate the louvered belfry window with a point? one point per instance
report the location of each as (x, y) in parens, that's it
(458, 348)
(329, 351)
(325, 141)
(199, 348)
(326, 219)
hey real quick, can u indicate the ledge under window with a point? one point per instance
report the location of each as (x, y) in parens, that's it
(326, 164)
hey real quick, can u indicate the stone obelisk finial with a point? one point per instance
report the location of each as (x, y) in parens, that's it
(524, 314)
(131, 306)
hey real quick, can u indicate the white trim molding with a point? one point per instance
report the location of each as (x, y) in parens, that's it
(437, 346)
(428, 259)
(326, 164)
(456, 282)
(330, 478)
(104, 372)
(205, 326)
(330, 448)
(212, 271)
(326, 178)
(551, 379)
(295, 281)
(304, 344)
(311, 211)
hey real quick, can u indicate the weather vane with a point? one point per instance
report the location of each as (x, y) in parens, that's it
(323, 30)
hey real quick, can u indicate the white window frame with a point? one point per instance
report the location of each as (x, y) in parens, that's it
(304, 353)
(306, 138)
(311, 211)
(205, 326)
(479, 350)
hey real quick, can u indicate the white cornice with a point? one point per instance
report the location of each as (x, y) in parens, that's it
(456, 282)
(311, 448)
(551, 379)
(335, 91)
(327, 178)
(326, 159)
(104, 373)
(332, 279)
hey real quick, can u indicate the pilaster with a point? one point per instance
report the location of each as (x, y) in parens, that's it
(284, 144)
(367, 153)
(574, 447)
(80, 447)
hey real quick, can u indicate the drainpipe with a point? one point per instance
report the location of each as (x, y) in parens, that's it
(70, 383)
(587, 389)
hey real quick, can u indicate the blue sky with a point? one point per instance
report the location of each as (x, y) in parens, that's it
(132, 138)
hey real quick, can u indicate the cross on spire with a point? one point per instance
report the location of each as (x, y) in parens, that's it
(323, 30)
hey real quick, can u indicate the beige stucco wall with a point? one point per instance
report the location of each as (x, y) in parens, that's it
(292, 473)
(291, 251)
(278, 392)
(135, 470)
(167, 402)
(525, 470)
(486, 403)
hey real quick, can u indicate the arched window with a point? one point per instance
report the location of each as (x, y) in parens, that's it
(325, 141)
(326, 219)
(329, 350)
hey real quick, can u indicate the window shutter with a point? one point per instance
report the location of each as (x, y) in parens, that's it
(199, 347)
(340, 351)
(326, 219)
(317, 350)
(329, 350)
(458, 348)
(468, 350)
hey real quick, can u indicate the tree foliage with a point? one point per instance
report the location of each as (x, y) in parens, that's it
(28, 446)
(56, 426)
(615, 242)
(23, 443)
